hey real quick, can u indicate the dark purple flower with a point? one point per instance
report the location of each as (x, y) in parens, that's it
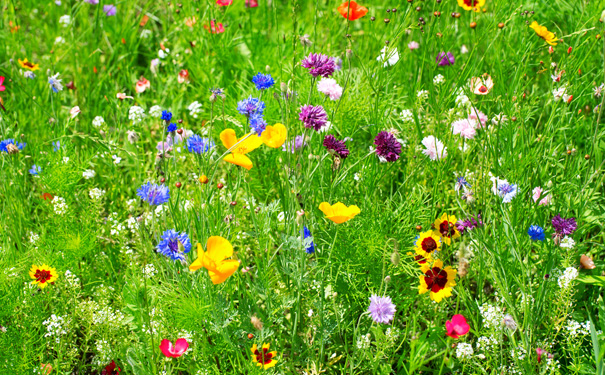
(387, 146)
(110, 10)
(564, 227)
(445, 59)
(313, 117)
(339, 147)
(469, 224)
(319, 65)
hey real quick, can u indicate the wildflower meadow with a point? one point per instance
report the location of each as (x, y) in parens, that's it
(198, 187)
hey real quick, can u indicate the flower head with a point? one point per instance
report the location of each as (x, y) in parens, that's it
(387, 146)
(215, 27)
(215, 259)
(55, 83)
(382, 309)
(28, 65)
(9, 146)
(427, 244)
(445, 59)
(319, 65)
(330, 87)
(142, 85)
(111, 369)
(258, 124)
(199, 145)
(313, 117)
(43, 275)
(166, 116)
(174, 244)
(176, 350)
(457, 326)
(465, 128)
(224, 3)
(263, 358)
(564, 227)
(388, 56)
(434, 148)
(310, 248)
(2, 88)
(251, 106)
(336, 146)
(351, 10)
(482, 85)
(35, 170)
(445, 226)
(263, 81)
(504, 189)
(543, 33)
(474, 5)
(469, 224)
(171, 127)
(437, 280)
(339, 213)
(536, 233)
(154, 194)
(110, 10)
(244, 145)
(274, 136)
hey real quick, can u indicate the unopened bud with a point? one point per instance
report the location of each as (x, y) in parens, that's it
(387, 279)
(395, 258)
(349, 53)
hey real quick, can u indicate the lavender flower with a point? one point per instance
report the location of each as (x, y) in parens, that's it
(110, 10)
(198, 145)
(564, 227)
(258, 124)
(319, 65)
(154, 194)
(382, 309)
(294, 144)
(469, 224)
(251, 106)
(313, 117)
(339, 147)
(387, 146)
(445, 59)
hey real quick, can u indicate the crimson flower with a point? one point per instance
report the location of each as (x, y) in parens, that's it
(176, 350)
(457, 326)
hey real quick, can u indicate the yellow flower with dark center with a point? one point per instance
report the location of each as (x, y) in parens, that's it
(339, 213)
(244, 145)
(43, 275)
(474, 5)
(274, 136)
(543, 33)
(445, 226)
(28, 65)
(427, 244)
(215, 259)
(437, 280)
(263, 358)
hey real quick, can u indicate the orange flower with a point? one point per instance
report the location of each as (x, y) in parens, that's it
(352, 11)
(215, 259)
(339, 213)
(244, 145)
(274, 136)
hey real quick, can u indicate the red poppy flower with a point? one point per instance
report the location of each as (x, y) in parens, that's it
(457, 326)
(352, 11)
(176, 350)
(111, 369)
(215, 27)
(47, 196)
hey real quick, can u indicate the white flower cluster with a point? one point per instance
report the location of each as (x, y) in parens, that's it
(406, 115)
(55, 327)
(104, 355)
(462, 101)
(486, 344)
(518, 353)
(96, 193)
(149, 271)
(464, 350)
(568, 243)
(89, 173)
(65, 20)
(71, 280)
(568, 276)
(160, 209)
(492, 316)
(132, 224)
(116, 226)
(98, 121)
(132, 204)
(59, 205)
(33, 238)
(109, 316)
(438, 79)
(363, 342)
(195, 108)
(423, 94)
(574, 328)
(155, 111)
(136, 114)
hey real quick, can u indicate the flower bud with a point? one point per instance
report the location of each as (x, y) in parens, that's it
(349, 53)
(133, 137)
(387, 279)
(395, 258)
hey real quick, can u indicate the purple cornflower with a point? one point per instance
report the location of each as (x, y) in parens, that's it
(250, 106)
(339, 147)
(313, 117)
(263, 81)
(564, 227)
(258, 124)
(294, 144)
(469, 224)
(382, 309)
(319, 65)
(445, 59)
(169, 246)
(154, 194)
(110, 10)
(387, 146)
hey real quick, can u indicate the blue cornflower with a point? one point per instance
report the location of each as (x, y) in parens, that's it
(6, 142)
(197, 144)
(166, 116)
(310, 249)
(263, 81)
(460, 183)
(35, 170)
(171, 127)
(536, 233)
(251, 106)
(55, 83)
(56, 146)
(169, 246)
(154, 194)
(258, 124)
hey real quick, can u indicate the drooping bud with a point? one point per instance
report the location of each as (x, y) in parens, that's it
(395, 258)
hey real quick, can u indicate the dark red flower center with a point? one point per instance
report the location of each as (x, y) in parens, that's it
(264, 357)
(28, 64)
(429, 244)
(482, 89)
(446, 230)
(435, 279)
(420, 259)
(471, 3)
(42, 276)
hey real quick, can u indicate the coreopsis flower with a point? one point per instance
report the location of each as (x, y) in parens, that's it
(28, 65)
(457, 326)
(313, 117)
(244, 145)
(55, 83)
(465, 127)
(388, 147)
(274, 136)
(142, 85)
(330, 87)
(110, 10)
(111, 369)
(337, 147)
(199, 145)
(427, 244)
(174, 244)
(389, 56)
(215, 259)
(183, 76)
(319, 65)
(434, 148)
(263, 81)
(474, 5)
(445, 59)
(543, 33)
(263, 358)
(43, 275)
(339, 213)
(536, 233)
(437, 280)
(351, 10)
(215, 27)
(176, 350)
(445, 227)
(382, 309)
(482, 85)
(154, 194)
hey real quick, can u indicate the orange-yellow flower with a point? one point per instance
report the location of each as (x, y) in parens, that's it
(43, 275)
(339, 213)
(445, 226)
(437, 280)
(215, 259)
(471, 4)
(352, 11)
(543, 33)
(427, 244)
(246, 144)
(263, 358)
(28, 65)
(274, 136)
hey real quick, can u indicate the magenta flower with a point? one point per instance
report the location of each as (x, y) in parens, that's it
(445, 59)
(313, 117)
(110, 10)
(542, 352)
(387, 146)
(176, 350)
(319, 65)
(339, 147)
(457, 326)
(382, 309)
(564, 227)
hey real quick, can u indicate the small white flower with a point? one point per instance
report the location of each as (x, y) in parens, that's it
(558, 93)
(98, 122)
(568, 276)
(162, 54)
(96, 193)
(389, 56)
(59, 40)
(136, 114)
(194, 109)
(89, 173)
(423, 94)
(116, 159)
(65, 20)
(406, 115)
(74, 111)
(463, 49)
(464, 350)
(438, 79)
(568, 243)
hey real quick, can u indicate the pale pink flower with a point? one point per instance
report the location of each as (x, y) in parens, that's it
(413, 45)
(74, 111)
(537, 193)
(479, 117)
(142, 85)
(329, 87)
(435, 149)
(482, 85)
(123, 96)
(465, 127)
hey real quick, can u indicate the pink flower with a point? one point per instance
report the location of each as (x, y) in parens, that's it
(123, 96)
(541, 352)
(435, 149)
(537, 192)
(142, 85)
(465, 128)
(2, 88)
(180, 347)
(183, 76)
(251, 3)
(215, 27)
(478, 116)
(457, 326)
(74, 111)
(224, 3)
(413, 45)
(329, 87)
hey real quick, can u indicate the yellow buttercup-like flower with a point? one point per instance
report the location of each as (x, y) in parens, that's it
(28, 65)
(339, 213)
(215, 259)
(263, 358)
(43, 275)
(543, 33)
(471, 4)
(437, 280)
(274, 136)
(246, 144)
(445, 226)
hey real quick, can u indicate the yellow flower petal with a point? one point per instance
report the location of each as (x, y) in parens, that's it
(274, 136)
(239, 159)
(339, 213)
(248, 143)
(228, 138)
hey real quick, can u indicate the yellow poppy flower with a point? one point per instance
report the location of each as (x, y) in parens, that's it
(274, 136)
(543, 33)
(43, 275)
(238, 154)
(28, 65)
(215, 259)
(263, 358)
(471, 4)
(339, 213)
(437, 280)
(445, 226)
(427, 244)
